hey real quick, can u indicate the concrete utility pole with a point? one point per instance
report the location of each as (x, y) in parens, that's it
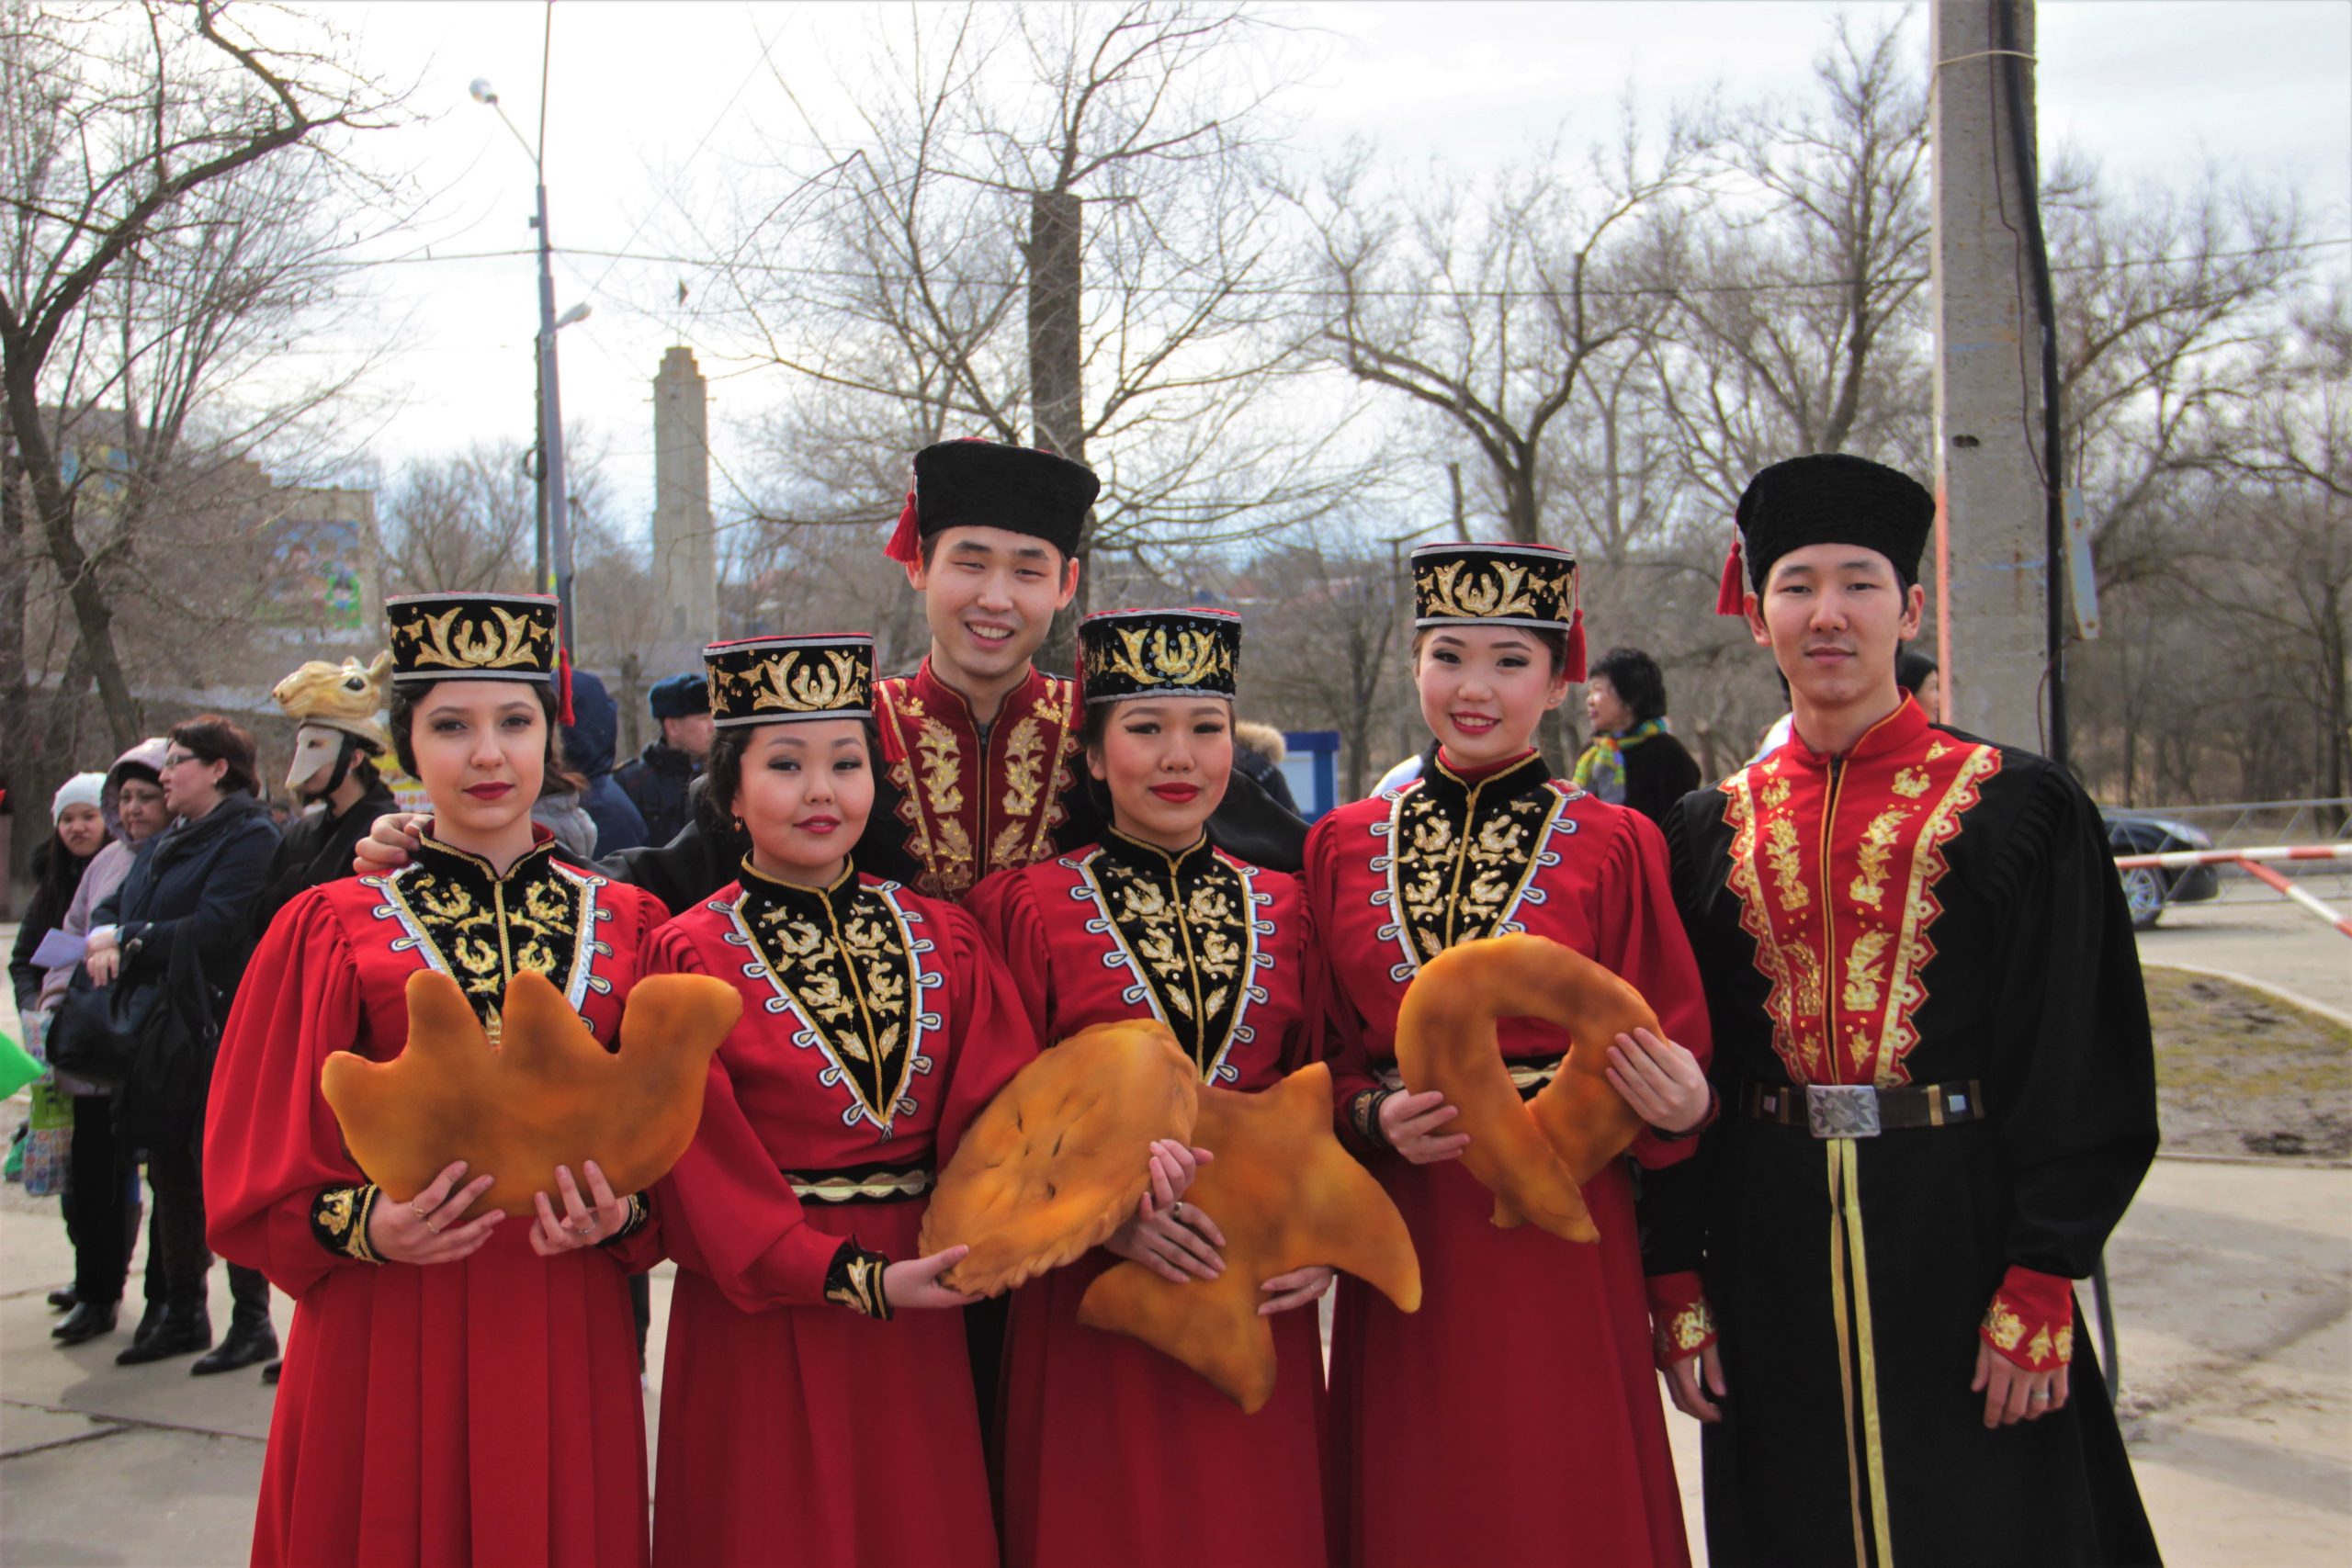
(1992, 594)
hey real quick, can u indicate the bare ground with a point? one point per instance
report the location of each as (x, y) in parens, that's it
(2243, 1072)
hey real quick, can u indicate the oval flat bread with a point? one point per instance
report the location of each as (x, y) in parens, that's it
(1061, 1156)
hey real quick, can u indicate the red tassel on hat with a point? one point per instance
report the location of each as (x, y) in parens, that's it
(564, 685)
(1575, 659)
(1731, 598)
(906, 540)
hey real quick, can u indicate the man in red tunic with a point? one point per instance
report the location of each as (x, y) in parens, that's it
(981, 745)
(1933, 1055)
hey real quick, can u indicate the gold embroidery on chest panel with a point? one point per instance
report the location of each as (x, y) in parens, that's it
(1461, 868)
(1845, 956)
(482, 930)
(1191, 942)
(850, 973)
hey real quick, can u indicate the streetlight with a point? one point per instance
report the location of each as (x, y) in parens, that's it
(557, 505)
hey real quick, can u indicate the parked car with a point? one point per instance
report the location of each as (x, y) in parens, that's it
(2149, 889)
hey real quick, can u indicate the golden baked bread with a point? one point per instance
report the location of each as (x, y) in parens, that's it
(1532, 1158)
(548, 1094)
(1060, 1158)
(1285, 1194)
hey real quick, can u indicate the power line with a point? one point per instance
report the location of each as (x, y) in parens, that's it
(1301, 291)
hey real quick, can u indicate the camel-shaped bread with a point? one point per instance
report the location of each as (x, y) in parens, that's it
(548, 1094)
(1285, 1194)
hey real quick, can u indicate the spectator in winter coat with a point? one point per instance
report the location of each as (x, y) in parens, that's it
(78, 831)
(1634, 760)
(657, 779)
(196, 883)
(102, 1176)
(1258, 751)
(588, 742)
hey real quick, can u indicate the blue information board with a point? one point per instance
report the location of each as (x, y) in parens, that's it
(1312, 769)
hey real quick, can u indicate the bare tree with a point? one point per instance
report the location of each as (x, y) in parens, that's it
(1053, 226)
(1800, 324)
(121, 122)
(172, 202)
(1327, 646)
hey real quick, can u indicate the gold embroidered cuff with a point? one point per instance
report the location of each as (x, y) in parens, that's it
(855, 1280)
(1681, 1325)
(339, 1221)
(2031, 1320)
(641, 1214)
(1364, 1115)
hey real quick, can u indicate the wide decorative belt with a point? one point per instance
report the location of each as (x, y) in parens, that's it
(1528, 1074)
(863, 1184)
(1861, 1111)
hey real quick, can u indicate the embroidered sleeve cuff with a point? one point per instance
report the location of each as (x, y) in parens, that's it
(855, 1280)
(339, 1221)
(1680, 1323)
(1364, 1115)
(2031, 1320)
(641, 1214)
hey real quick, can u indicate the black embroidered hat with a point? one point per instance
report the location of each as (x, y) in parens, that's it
(1828, 498)
(778, 679)
(473, 636)
(985, 484)
(1500, 585)
(1157, 653)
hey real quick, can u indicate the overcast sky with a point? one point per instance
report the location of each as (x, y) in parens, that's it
(2153, 90)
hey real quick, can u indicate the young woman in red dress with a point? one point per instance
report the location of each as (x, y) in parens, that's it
(812, 1410)
(1112, 1452)
(453, 1392)
(1515, 1418)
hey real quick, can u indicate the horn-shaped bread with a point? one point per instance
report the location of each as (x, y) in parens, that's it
(1285, 1194)
(1532, 1158)
(1061, 1156)
(548, 1094)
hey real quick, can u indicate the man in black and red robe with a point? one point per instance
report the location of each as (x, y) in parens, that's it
(1933, 1054)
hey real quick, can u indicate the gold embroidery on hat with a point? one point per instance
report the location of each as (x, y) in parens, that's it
(1183, 656)
(795, 680)
(1504, 589)
(442, 643)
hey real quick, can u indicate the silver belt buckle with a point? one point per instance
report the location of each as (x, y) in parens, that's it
(1842, 1111)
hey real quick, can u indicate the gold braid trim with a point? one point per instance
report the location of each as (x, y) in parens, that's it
(339, 1220)
(855, 1280)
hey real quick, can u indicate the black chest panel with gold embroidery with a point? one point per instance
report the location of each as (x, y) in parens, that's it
(1189, 925)
(483, 929)
(841, 959)
(1465, 852)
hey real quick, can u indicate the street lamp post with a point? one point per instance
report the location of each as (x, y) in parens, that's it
(551, 469)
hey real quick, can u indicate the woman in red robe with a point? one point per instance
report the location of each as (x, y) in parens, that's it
(453, 1392)
(809, 1412)
(1515, 1418)
(1112, 1452)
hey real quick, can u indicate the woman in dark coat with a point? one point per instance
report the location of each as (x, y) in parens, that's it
(195, 883)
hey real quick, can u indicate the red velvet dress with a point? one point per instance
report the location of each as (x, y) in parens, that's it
(1516, 1417)
(1112, 1452)
(483, 1412)
(793, 1428)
